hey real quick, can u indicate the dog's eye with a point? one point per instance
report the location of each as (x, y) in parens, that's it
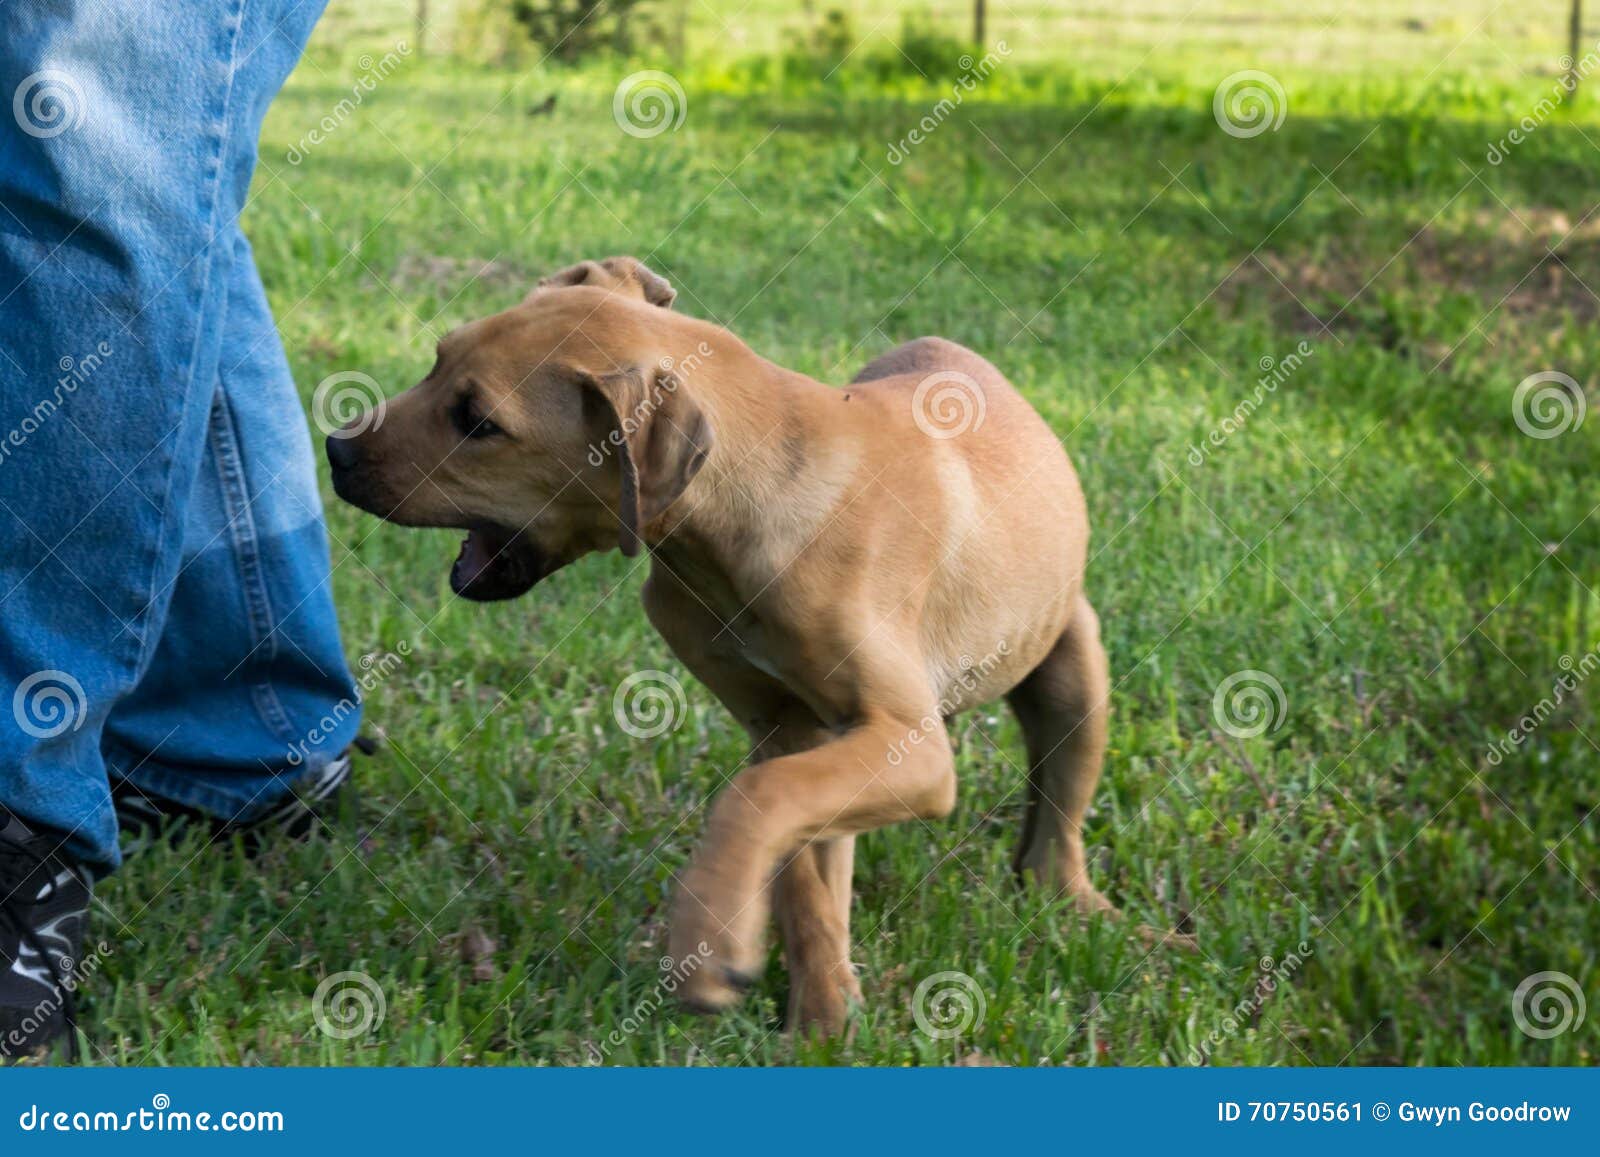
(470, 424)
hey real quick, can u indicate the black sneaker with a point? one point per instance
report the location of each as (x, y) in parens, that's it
(44, 899)
(145, 819)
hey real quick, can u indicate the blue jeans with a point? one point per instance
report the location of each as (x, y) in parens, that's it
(165, 612)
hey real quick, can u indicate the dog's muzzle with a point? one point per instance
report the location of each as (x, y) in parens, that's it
(495, 562)
(351, 480)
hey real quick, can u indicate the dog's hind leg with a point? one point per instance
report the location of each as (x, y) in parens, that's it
(1062, 707)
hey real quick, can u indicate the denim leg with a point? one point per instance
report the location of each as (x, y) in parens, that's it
(123, 169)
(248, 690)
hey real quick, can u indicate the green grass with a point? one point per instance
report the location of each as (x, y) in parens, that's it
(1379, 537)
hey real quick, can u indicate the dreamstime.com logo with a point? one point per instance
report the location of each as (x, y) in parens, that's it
(347, 404)
(1249, 703)
(348, 1005)
(1548, 404)
(649, 103)
(48, 103)
(49, 703)
(1548, 1004)
(947, 1004)
(648, 704)
(160, 1117)
(947, 404)
(1249, 103)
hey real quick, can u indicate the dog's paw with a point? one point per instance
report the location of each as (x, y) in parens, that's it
(820, 1005)
(713, 988)
(727, 949)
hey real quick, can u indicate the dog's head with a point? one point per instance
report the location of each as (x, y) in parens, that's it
(545, 432)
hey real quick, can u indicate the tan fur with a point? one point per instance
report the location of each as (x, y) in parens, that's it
(840, 578)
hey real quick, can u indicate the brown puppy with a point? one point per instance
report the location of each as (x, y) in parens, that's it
(846, 569)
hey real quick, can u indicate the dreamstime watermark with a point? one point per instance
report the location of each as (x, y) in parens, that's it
(348, 1005)
(674, 372)
(372, 73)
(64, 979)
(947, 404)
(1547, 1004)
(1249, 703)
(1249, 103)
(649, 703)
(375, 669)
(1574, 672)
(675, 972)
(1572, 73)
(649, 103)
(948, 1004)
(160, 1117)
(1274, 372)
(74, 373)
(1270, 974)
(971, 675)
(49, 703)
(347, 404)
(48, 103)
(972, 75)
(1548, 404)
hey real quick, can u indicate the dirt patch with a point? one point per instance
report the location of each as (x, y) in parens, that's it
(1532, 268)
(455, 273)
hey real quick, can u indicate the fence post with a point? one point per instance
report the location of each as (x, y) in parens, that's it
(1574, 44)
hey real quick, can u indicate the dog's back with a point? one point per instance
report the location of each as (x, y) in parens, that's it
(1013, 510)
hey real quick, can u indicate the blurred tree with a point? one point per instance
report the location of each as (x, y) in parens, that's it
(980, 20)
(568, 29)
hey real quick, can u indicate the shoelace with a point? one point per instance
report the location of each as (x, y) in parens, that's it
(13, 914)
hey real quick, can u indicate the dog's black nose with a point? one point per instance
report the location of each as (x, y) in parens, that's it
(342, 453)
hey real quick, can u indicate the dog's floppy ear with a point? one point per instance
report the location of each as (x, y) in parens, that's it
(658, 435)
(622, 274)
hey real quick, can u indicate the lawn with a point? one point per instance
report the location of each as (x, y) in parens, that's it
(1287, 368)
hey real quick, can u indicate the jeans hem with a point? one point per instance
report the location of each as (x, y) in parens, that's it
(259, 794)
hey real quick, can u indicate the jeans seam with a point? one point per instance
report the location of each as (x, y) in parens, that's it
(145, 644)
(247, 558)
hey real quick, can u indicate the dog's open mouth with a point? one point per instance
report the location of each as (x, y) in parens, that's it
(496, 563)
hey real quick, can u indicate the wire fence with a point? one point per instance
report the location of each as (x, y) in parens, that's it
(1498, 37)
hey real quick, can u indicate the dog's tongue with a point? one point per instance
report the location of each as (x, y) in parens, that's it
(497, 564)
(478, 554)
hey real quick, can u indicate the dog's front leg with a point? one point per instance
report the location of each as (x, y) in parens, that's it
(884, 770)
(812, 898)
